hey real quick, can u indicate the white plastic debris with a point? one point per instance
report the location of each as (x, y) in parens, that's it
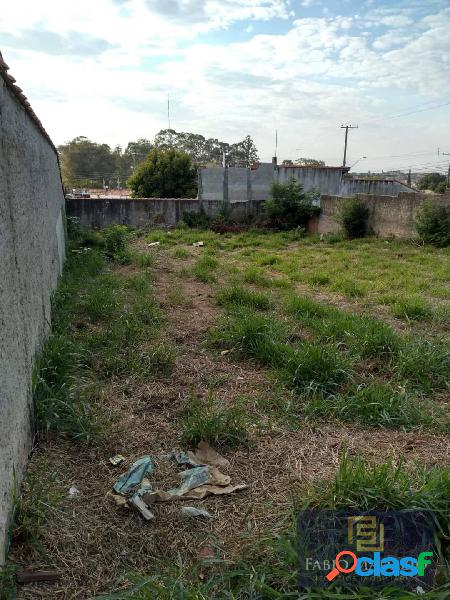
(118, 459)
(73, 491)
(196, 513)
(153, 244)
(139, 505)
(198, 244)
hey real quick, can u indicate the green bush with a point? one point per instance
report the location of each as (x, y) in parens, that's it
(115, 239)
(432, 223)
(164, 174)
(353, 218)
(441, 188)
(289, 206)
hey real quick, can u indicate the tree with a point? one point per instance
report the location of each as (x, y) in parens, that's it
(85, 163)
(165, 173)
(243, 154)
(430, 181)
(289, 206)
(309, 162)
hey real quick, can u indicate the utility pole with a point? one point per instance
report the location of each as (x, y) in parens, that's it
(347, 127)
(448, 174)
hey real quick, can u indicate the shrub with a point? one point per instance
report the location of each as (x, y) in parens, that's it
(441, 188)
(115, 239)
(432, 223)
(353, 218)
(431, 181)
(289, 206)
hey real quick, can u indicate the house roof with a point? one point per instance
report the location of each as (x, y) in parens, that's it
(22, 99)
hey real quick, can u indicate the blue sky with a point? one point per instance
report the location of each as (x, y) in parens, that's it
(103, 69)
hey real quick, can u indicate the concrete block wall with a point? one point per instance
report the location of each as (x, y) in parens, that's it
(388, 215)
(32, 249)
(236, 184)
(146, 213)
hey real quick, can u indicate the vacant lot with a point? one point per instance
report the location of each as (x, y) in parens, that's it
(318, 368)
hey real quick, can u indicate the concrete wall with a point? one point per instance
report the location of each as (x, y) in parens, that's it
(236, 184)
(388, 215)
(150, 212)
(380, 187)
(32, 255)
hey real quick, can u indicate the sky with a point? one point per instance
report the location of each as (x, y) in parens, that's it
(104, 69)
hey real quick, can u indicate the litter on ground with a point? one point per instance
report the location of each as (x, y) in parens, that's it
(118, 459)
(200, 479)
(195, 513)
(198, 244)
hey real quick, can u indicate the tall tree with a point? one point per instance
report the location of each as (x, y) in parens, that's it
(85, 163)
(243, 154)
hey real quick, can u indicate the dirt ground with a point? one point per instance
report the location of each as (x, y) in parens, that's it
(93, 542)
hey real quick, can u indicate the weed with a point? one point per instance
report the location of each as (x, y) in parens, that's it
(386, 486)
(204, 267)
(374, 405)
(101, 299)
(353, 217)
(8, 588)
(270, 260)
(362, 334)
(433, 224)
(348, 287)
(180, 253)
(415, 309)
(319, 279)
(425, 364)
(254, 276)
(222, 427)
(311, 367)
(115, 240)
(302, 366)
(238, 296)
(39, 496)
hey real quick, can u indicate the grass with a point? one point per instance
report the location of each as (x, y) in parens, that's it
(304, 366)
(385, 486)
(362, 334)
(373, 405)
(255, 276)
(239, 296)
(39, 497)
(103, 325)
(220, 426)
(415, 309)
(204, 268)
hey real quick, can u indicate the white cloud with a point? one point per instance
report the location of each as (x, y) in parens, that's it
(112, 82)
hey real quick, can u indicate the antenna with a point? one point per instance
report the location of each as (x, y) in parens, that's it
(168, 109)
(276, 142)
